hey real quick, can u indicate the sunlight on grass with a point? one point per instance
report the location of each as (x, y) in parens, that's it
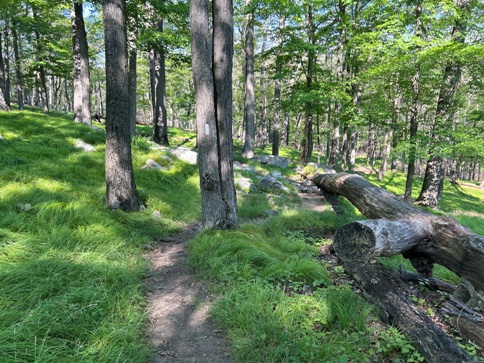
(70, 269)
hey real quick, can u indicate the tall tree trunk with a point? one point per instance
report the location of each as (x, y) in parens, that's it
(160, 119)
(307, 140)
(249, 101)
(132, 72)
(18, 72)
(82, 92)
(41, 69)
(7, 67)
(387, 146)
(433, 180)
(212, 78)
(335, 142)
(262, 128)
(121, 190)
(3, 102)
(223, 51)
(414, 107)
(276, 135)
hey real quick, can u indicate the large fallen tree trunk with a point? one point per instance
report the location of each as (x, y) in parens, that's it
(423, 237)
(398, 227)
(394, 308)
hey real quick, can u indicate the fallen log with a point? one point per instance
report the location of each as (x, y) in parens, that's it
(430, 240)
(394, 308)
(398, 227)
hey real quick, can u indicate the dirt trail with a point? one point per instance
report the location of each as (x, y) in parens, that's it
(180, 328)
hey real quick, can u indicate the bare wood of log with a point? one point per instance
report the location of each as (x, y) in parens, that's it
(442, 239)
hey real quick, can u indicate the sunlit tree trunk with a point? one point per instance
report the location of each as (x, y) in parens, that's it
(82, 92)
(414, 107)
(132, 66)
(434, 173)
(212, 76)
(121, 190)
(276, 135)
(160, 119)
(335, 138)
(249, 101)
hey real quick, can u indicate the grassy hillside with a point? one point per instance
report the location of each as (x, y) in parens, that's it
(71, 271)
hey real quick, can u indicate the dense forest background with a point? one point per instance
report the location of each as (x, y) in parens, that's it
(397, 82)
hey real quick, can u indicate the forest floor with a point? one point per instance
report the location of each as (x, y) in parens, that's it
(180, 327)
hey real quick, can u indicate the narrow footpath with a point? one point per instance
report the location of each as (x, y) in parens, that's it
(180, 328)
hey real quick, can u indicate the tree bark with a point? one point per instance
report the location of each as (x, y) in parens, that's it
(223, 51)
(276, 124)
(132, 71)
(160, 119)
(121, 190)
(394, 308)
(249, 100)
(432, 186)
(18, 72)
(82, 92)
(430, 239)
(307, 139)
(4, 106)
(387, 147)
(414, 108)
(212, 81)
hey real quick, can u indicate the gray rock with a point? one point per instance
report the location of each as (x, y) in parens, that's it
(84, 146)
(185, 154)
(276, 174)
(278, 161)
(268, 183)
(243, 184)
(154, 165)
(156, 214)
(98, 129)
(243, 167)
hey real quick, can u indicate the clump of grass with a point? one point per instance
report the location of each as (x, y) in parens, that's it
(277, 305)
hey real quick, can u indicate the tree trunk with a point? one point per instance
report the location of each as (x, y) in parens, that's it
(18, 72)
(394, 308)
(443, 115)
(7, 66)
(82, 92)
(223, 51)
(414, 108)
(262, 128)
(212, 81)
(3, 99)
(387, 146)
(160, 120)
(249, 101)
(133, 77)
(41, 68)
(276, 134)
(121, 190)
(307, 140)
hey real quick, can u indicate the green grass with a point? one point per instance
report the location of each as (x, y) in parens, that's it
(277, 303)
(70, 269)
